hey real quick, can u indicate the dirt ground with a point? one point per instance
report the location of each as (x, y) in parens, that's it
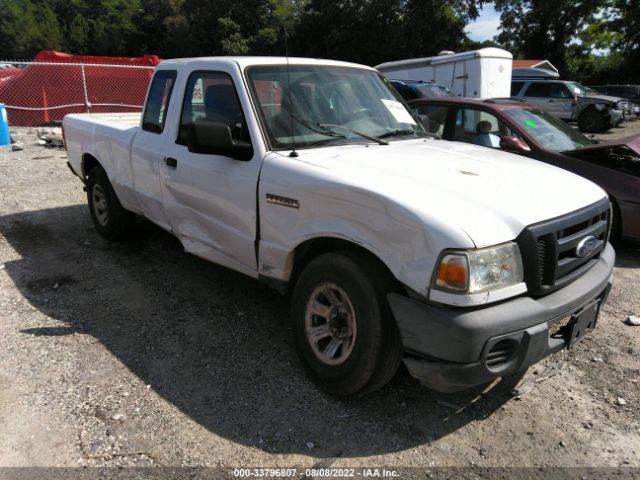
(138, 354)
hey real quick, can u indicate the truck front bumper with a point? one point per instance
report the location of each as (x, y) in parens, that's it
(615, 117)
(450, 349)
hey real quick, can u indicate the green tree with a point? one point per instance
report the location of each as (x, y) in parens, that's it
(540, 29)
(26, 27)
(620, 23)
(100, 27)
(373, 31)
(161, 28)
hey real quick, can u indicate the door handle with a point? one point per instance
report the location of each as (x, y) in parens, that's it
(550, 101)
(171, 162)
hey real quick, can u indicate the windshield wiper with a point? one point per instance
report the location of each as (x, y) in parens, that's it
(378, 140)
(397, 133)
(407, 131)
(316, 127)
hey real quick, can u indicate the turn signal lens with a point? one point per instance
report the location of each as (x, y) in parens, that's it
(453, 273)
(482, 270)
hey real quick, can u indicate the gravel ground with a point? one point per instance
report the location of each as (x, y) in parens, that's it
(138, 354)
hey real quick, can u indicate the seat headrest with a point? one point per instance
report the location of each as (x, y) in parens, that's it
(221, 99)
(483, 127)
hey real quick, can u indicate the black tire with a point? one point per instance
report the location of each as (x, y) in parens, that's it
(109, 218)
(591, 121)
(376, 351)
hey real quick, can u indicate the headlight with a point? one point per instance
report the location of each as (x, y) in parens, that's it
(476, 271)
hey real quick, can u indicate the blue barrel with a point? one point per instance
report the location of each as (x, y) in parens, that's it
(5, 139)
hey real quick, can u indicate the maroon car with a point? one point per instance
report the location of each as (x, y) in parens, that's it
(520, 128)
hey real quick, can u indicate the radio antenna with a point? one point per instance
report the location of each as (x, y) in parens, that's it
(293, 153)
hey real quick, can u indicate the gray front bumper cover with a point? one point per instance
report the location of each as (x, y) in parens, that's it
(447, 346)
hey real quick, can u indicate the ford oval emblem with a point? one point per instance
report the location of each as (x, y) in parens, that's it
(586, 246)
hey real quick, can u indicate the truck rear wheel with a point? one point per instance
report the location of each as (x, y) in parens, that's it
(591, 121)
(344, 330)
(110, 219)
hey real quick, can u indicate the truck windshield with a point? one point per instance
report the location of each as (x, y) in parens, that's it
(548, 131)
(311, 105)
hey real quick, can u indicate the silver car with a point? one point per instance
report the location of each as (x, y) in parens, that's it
(571, 101)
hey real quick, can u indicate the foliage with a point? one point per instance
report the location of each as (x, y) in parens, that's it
(27, 27)
(593, 40)
(368, 31)
(544, 30)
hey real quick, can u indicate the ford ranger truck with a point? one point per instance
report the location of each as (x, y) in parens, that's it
(465, 263)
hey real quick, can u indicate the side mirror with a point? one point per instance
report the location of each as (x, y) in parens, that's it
(514, 144)
(214, 138)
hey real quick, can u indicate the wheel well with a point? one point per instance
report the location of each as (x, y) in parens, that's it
(616, 219)
(589, 109)
(307, 251)
(88, 163)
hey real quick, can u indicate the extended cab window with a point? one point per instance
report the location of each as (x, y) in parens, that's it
(155, 112)
(212, 97)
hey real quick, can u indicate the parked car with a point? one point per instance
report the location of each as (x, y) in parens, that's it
(520, 128)
(412, 89)
(312, 176)
(628, 92)
(570, 101)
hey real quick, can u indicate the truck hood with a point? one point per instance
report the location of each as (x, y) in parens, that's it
(488, 194)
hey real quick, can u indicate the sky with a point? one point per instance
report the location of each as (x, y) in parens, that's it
(486, 25)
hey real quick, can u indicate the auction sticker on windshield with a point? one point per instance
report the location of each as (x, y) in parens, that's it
(398, 111)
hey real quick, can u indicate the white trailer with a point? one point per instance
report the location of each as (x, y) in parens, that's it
(484, 73)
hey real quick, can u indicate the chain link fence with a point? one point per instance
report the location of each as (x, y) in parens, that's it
(42, 93)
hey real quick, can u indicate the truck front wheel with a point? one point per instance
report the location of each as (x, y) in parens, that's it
(109, 218)
(591, 121)
(344, 330)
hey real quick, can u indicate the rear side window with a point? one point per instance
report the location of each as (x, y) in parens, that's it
(155, 112)
(515, 88)
(539, 89)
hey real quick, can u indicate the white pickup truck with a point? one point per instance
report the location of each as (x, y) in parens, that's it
(465, 262)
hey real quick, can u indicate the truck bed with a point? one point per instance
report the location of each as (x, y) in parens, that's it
(130, 119)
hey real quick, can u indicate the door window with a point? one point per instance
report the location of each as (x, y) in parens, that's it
(155, 112)
(480, 128)
(212, 97)
(559, 90)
